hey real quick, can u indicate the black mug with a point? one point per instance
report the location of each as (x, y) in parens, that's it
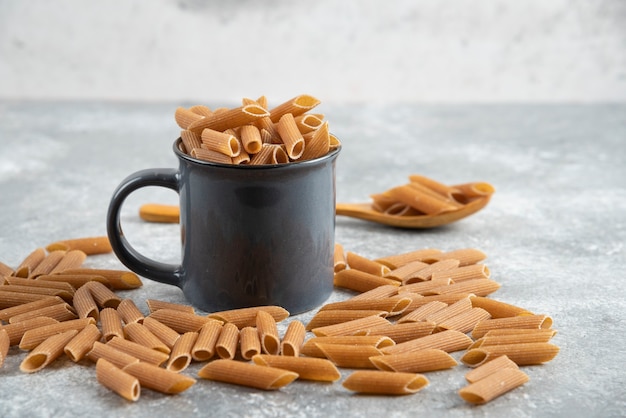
(251, 235)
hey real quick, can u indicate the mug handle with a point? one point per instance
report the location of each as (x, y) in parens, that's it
(131, 258)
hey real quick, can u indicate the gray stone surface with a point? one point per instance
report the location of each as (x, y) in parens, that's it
(554, 233)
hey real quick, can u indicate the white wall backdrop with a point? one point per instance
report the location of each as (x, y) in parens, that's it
(337, 50)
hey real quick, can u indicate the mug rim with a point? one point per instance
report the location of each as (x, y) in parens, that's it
(313, 161)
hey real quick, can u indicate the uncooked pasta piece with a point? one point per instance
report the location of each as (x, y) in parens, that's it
(114, 355)
(84, 304)
(180, 321)
(490, 367)
(164, 333)
(522, 322)
(339, 258)
(420, 200)
(478, 287)
(465, 321)
(358, 262)
(251, 139)
(421, 313)
(222, 142)
(129, 312)
(75, 280)
(33, 337)
(424, 288)
(7, 313)
(398, 260)
(400, 333)
(204, 348)
(493, 385)
(307, 368)
(447, 298)
(247, 374)
(293, 339)
(185, 117)
(139, 351)
(309, 122)
(249, 342)
(428, 360)
(20, 281)
(427, 272)
(450, 311)
(246, 317)
(38, 292)
(350, 356)
(190, 140)
(220, 121)
(32, 260)
(465, 256)
(141, 334)
(5, 270)
(316, 143)
(393, 305)
(111, 324)
(522, 354)
(71, 259)
(268, 333)
(351, 327)
(78, 347)
(117, 380)
(498, 309)
(155, 305)
(201, 110)
(378, 382)
(159, 379)
(529, 336)
(103, 296)
(443, 189)
(267, 130)
(47, 264)
(5, 344)
(310, 348)
(226, 345)
(473, 190)
(16, 331)
(459, 274)
(270, 154)
(448, 341)
(116, 279)
(11, 299)
(180, 358)
(338, 316)
(296, 106)
(520, 332)
(360, 281)
(406, 271)
(380, 292)
(46, 352)
(61, 312)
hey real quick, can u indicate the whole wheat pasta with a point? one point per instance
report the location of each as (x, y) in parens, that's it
(16, 331)
(427, 272)
(155, 305)
(117, 279)
(448, 341)
(138, 351)
(464, 322)
(350, 356)
(5, 344)
(520, 332)
(185, 117)
(360, 281)
(222, 142)
(498, 309)
(296, 106)
(111, 324)
(71, 259)
(114, 355)
(180, 358)
(447, 298)
(472, 190)
(141, 334)
(400, 333)
(523, 322)
(220, 121)
(478, 287)
(117, 380)
(246, 317)
(338, 316)
(84, 304)
(180, 321)
(398, 260)
(50, 284)
(242, 158)
(489, 367)
(531, 336)
(45, 353)
(267, 130)
(251, 139)
(309, 122)
(311, 349)
(226, 345)
(7, 313)
(164, 333)
(422, 312)
(268, 333)
(33, 337)
(204, 348)
(307, 368)
(38, 292)
(394, 305)
(6, 270)
(465, 256)
(427, 191)
(428, 360)
(201, 110)
(210, 155)
(424, 288)
(420, 200)
(493, 385)
(12, 299)
(159, 379)
(75, 280)
(249, 342)
(190, 140)
(293, 339)
(380, 292)
(247, 374)
(270, 154)
(78, 347)
(351, 327)
(47, 264)
(103, 296)
(443, 189)
(459, 274)
(316, 143)
(450, 311)
(61, 312)
(522, 354)
(358, 262)
(406, 271)
(32, 260)
(378, 382)
(339, 258)
(129, 312)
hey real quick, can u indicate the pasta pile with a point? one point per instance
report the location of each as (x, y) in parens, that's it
(425, 196)
(252, 134)
(409, 313)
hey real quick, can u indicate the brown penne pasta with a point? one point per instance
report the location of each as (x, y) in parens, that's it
(351, 327)
(421, 200)
(338, 316)
(37, 292)
(141, 334)
(47, 264)
(114, 355)
(117, 380)
(78, 347)
(398, 260)
(296, 106)
(185, 117)
(459, 274)
(380, 292)
(19, 281)
(61, 312)
(407, 271)
(222, 142)
(7, 313)
(28, 265)
(13, 299)
(427, 272)
(448, 341)
(85, 305)
(315, 369)
(465, 256)
(16, 331)
(268, 333)
(159, 379)
(155, 305)
(35, 336)
(522, 354)
(190, 141)
(400, 333)
(316, 143)
(226, 345)
(164, 333)
(180, 321)
(530, 336)
(138, 351)
(424, 311)
(5, 344)
(74, 280)
(428, 360)
(493, 385)
(180, 358)
(6, 270)
(45, 353)
(310, 347)
(478, 287)
(392, 305)
(117, 279)
(293, 339)
(377, 382)
(247, 374)
(111, 324)
(360, 281)
(204, 348)
(522, 322)
(490, 367)
(339, 258)
(249, 342)
(366, 265)
(246, 317)
(443, 189)
(71, 259)
(220, 121)
(129, 312)
(103, 296)
(498, 309)
(350, 356)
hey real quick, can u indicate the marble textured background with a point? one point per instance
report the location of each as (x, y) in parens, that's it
(347, 51)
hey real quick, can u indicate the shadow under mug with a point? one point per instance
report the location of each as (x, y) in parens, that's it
(251, 235)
